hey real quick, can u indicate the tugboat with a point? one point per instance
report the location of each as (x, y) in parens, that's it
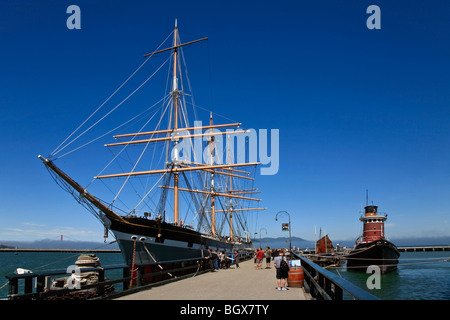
(372, 248)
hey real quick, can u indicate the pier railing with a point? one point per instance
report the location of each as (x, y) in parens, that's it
(325, 285)
(32, 286)
(37, 286)
(321, 283)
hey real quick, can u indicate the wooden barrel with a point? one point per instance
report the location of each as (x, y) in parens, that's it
(295, 277)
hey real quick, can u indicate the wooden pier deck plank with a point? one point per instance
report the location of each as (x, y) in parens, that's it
(244, 283)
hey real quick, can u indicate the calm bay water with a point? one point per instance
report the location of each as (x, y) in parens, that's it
(420, 275)
(46, 261)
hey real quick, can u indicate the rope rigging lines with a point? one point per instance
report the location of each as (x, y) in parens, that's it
(63, 145)
(136, 159)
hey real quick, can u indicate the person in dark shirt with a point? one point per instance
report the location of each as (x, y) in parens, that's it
(268, 257)
(280, 275)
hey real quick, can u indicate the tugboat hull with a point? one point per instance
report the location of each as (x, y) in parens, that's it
(381, 253)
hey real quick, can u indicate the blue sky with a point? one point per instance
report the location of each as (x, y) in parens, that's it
(356, 108)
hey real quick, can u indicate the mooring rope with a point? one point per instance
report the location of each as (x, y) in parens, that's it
(4, 285)
(145, 247)
(132, 261)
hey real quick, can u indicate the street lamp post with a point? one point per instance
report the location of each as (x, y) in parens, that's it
(260, 232)
(247, 235)
(290, 243)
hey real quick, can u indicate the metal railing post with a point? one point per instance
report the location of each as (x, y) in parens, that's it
(324, 284)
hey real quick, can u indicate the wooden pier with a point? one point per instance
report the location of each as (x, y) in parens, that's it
(244, 283)
(187, 280)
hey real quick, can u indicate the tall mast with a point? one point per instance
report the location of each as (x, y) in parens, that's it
(175, 95)
(175, 79)
(213, 199)
(231, 213)
(229, 190)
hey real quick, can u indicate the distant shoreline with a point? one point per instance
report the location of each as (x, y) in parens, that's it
(49, 245)
(61, 250)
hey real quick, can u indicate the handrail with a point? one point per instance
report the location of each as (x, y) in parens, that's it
(325, 285)
(176, 270)
(158, 271)
(60, 272)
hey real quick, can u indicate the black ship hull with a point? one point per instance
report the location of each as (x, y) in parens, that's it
(149, 241)
(381, 253)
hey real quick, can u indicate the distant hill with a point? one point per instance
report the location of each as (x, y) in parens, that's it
(5, 247)
(283, 242)
(57, 244)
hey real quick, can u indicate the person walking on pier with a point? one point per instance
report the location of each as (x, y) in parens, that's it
(236, 258)
(221, 259)
(268, 257)
(259, 258)
(281, 274)
(213, 260)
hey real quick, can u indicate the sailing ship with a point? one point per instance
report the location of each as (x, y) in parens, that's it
(372, 247)
(325, 254)
(324, 245)
(217, 194)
